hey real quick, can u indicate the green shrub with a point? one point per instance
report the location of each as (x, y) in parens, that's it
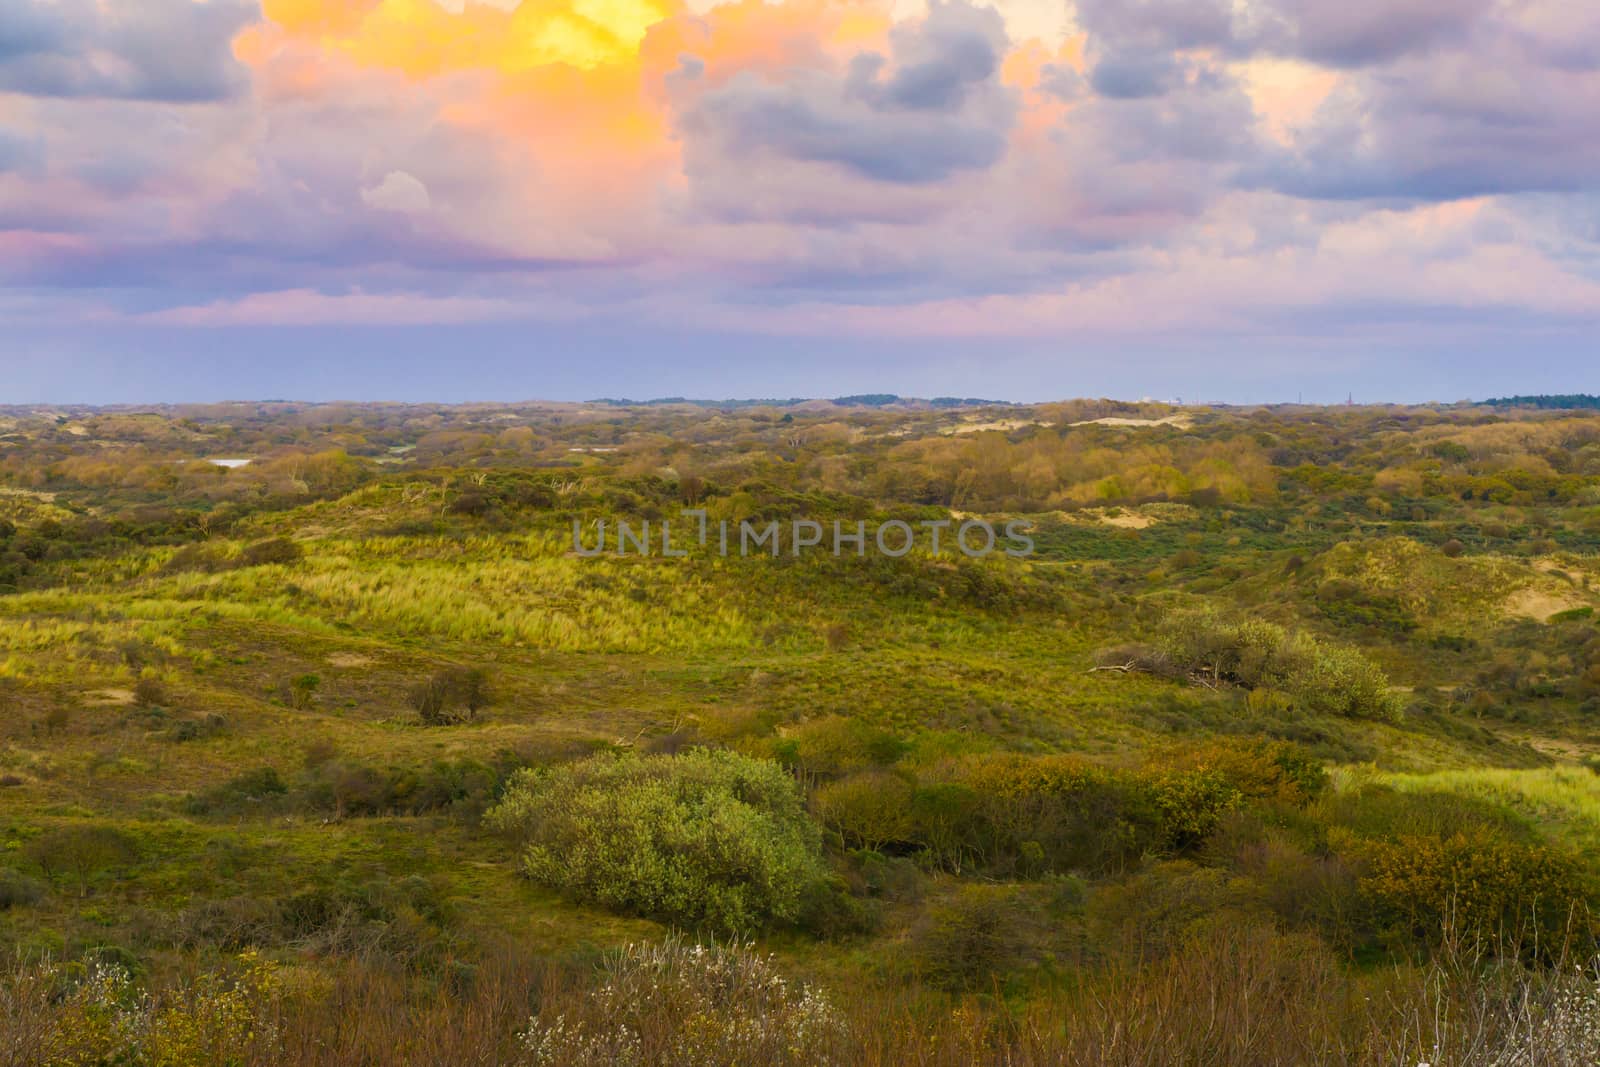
(1038, 814)
(868, 810)
(277, 550)
(253, 788)
(707, 837)
(1191, 803)
(1158, 908)
(1479, 888)
(81, 854)
(17, 890)
(1320, 678)
(973, 939)
(1277, 772)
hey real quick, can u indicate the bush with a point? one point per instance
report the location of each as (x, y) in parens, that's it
(868, 810)
(466, 688)
(722, 1006)
(707, 837)
(81, 853)
(149, 692)
(302, 691)
(277, 550)
(1479, 888)
(973, 939)
(252, 789)
(1039, 814)
(1322, 678)
(17, 890)
(1276, 772)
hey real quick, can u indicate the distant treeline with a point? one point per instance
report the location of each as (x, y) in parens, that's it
(1568, 400)
(868, 400)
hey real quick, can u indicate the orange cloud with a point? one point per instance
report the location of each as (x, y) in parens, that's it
(424, 39)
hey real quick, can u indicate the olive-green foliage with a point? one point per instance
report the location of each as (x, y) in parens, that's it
(1480, 888)
(869, 809)
(345, 788)
(972, 939)
(1035, 814)
(1318, 677)
(81, 854)
(707, 837)
(18, 890)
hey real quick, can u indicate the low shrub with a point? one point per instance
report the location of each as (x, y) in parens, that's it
(708, 837)
(17, 890)
(677, 1003)
(1478, 888)
(1319, 677)
(973, 939)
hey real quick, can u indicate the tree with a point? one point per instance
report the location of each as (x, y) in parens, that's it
(431, 699)
(464, 687)
(470, 687)
(81, 853)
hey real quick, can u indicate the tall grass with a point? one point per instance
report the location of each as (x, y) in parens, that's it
(1235, 997)
(1564, 800)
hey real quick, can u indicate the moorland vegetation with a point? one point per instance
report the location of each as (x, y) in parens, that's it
(1281, 747)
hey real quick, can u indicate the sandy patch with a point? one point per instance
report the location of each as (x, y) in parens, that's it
(1181, 421)
(1003, 425)
(349, 659)
(1540, 604)
(114, 697)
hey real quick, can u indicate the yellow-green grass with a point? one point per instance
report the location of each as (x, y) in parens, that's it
(1564, 800)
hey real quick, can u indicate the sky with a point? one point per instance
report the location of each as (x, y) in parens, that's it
(1226, 200)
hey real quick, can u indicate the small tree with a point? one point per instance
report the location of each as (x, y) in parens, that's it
(80, 853)
(303, 691)
(869, 810)
(470, 687)
(431, 699)
(467, 688)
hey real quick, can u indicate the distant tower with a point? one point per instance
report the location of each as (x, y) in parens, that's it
(1350, 401)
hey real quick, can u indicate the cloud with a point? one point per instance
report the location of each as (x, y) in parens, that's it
(166, 50)
(801, 165)
(1355, 33)
(1485, 121)
(305, 307)
(400, 192)
(18, 153)
(935, 110)
(1340, 33)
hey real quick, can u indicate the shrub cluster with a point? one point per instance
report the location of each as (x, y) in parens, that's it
(1033, 815)
(708, 837)
(1312, 675)
(348, 788)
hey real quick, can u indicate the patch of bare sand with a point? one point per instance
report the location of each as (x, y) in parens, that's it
(1182, 422)
(349, 659)
(1540, 604)
(1003, 425)
(111, 697)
